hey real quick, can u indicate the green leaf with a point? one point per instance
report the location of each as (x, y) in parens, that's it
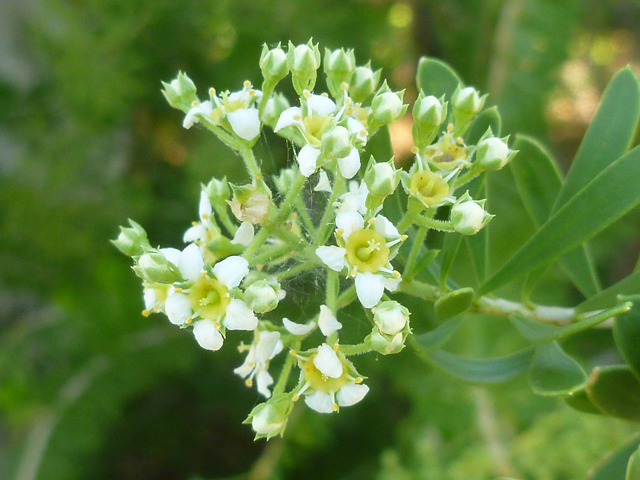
(553, 372)
(437, 78)
(626, 333)
(536, 332)
(492, 370)
(614, 465)
(616, 391)
(478, 244)
(633, 467)
(450, 248)
(608, 297)
(579, 400)
(609, 135)
(609, 196)
(434, 339)
(426, 260)
(489, 118)
(454, 303)
(380, 146)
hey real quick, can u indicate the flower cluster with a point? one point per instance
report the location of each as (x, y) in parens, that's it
(248, 242)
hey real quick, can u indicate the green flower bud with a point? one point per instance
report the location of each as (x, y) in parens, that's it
(270, 418)
(155, 268)
(277, 104)
(221, 248)
(387, 107)
(251, 203)
(466, 103)
(285, 180)
(468, 216)
(262, 296)
(303, 61)
(132, 241)
(180, 93)
(381, 179)
(218, 191)
(428, 113)
(339, 67)
(273, 64)
(493, 153)
(337, 142)
(385, 344)
(363, 83)
(390, 317)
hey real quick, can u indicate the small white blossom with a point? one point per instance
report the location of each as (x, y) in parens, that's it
(327, 321)
(266, 345)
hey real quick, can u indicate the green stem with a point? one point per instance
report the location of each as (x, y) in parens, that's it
(256, 243)
(441, 225)
(326, 223)
(355, 349)
(292, 196)
(286, 371)
(406, 221)
(269, 255)
(346, 297)
(225, 219)
(299, 268)
(419, 289)
(415, 250)
(249, 161)
(301, 208)
(333, 286)
(467, 177)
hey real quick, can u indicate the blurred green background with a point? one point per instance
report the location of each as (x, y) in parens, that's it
(91, 389)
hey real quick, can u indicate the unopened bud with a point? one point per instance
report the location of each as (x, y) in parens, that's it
(337, 142)
(390, 317)
(273, 64)
(363, 83)
(339, 67)
(251, 203)
(270, 419)
(303, 61)
(428, 113)
(277, 104)
(493, 153)
(180, 93)
(132, 240)
(154, 267)
(387, 108)
(468, 216)
(381, 179)
(262, 296)
(385, 344)
(466, 104)
(218, 191)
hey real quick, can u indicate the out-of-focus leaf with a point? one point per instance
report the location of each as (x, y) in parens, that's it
(627, 286)
(380, 146)
(489, 118)
(579, 400)
(633, 467)
(616, 391)
(609, 196)
(553, 372)
(426, 260)
(626, 333)
(434, 339)
(614, 465)
(436, 78)
(537, 332)
(454, 303)
(478, 244)
(449, 251)
(492, 370)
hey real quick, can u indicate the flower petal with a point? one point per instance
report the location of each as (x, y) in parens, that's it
(323, 183)
(307, 159)
(245, 123)
(207, 335)
(244, 234)
(150, 299)
(349, 222)
(351, 393)
(333, 257)
(327, 321)
(231, 271)
(267, 346)
(191, 263)
(239, 316)
(264, 381)
(319, 401)
(350, 165)
(288, 117)
(369, 288)
(391, 284)
(296, 328)
(385, 228)
(327, 362)
(203, 109)
(171, 254)
(197, 232)
(321, 105)
(356, 126)
(178, 308)
(204, 208)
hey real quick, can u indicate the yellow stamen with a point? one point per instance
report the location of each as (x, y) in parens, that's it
(336, 347)
(344, 86)
(248, 382)
(293, 353)
(295, 398)
(247, 84)
(335, 407)
(325, 95)
(358, 380)
(403, 237)
(307, 94)
(415, 150)
(178, 290)
(146, 313)
(395, 274)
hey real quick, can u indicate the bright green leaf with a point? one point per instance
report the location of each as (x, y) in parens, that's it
(489, 118)
(454, 303)
(616, 391)
(633, 467)
(424, 262)
(437, 78)
(626, 332)
(450, 248)
(434, 339)
(627, 286)
(579, 400)
(553, 372)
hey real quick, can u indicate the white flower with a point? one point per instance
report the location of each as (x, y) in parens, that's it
(207, 335)
(244, 234)
(327, 321)
(369, 288)
(350, 165)
(265, 346)
(245, 123)
(332, 257)
(308, 159)
(355, 199)
(202, 111)
(205, 230)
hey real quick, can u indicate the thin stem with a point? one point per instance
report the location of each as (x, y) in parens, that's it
(301, 208)
(406, 221)
(415, 250)
(286, 371)
(287, 204)
(292, 272)
(256, 243)
(467, 177)
(333, 285)
(355, 349)
(249, 161)
(434, 224)
(326, 223)
(273, 253)
(419, 289)
(346, 297)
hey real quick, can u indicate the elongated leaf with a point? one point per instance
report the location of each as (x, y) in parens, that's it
(579, 400)
(616, 391)
(537, 332)
(434, 339)
(626, 333)
(454, 303)
(426, 260)
(478, 244)
(379, 146)
(627, 286)
(614, 465)
(437, 78)
(609, 135)
(553, 372)
(491, 370)
(609, 196)
(489, 118)
(633, 467)
(449, 251)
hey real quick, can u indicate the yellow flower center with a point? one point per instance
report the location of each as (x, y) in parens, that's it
(319, 381)
(446, 152)
(209, 298)
(367, 250)
(314, 126)
(428, 187)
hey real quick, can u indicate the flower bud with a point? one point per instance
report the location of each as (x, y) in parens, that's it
(381, 180)
(468, 216)
(155, 268)
(493, 153)
(303, 61)
(385, 344)
(218, 191)
(251, 203)
(339, 67)
(363, 83)
(180, 93)
(387, 108)
(466, 104)
(337, 142)
(428, 187)
(428, 113)
(132, 241)
(270, 419)
(262, 296)
(277, 104)
(273, 64)
(285, 180)
(390, 317)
